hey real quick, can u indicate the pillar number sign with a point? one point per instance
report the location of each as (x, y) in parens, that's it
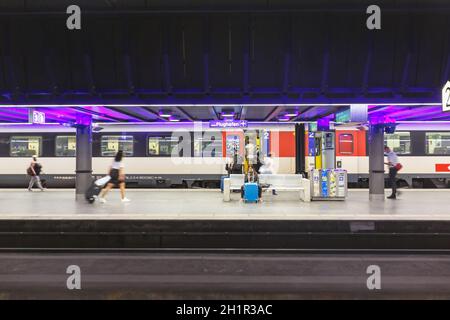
(38, 117)
(446, 97)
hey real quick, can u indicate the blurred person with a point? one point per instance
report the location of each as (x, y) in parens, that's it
(34, 170)
(268, 168)
(117, 174)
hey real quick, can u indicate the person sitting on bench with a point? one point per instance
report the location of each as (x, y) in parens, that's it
(251, 176)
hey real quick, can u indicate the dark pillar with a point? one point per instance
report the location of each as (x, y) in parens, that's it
(376, 162)
(84, 155)
(300, 148)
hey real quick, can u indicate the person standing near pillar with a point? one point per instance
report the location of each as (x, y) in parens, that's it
(394, 167)
(117, 175)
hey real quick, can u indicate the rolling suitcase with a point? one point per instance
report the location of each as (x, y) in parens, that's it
(221, 182)
(94, 190)
(251, 192)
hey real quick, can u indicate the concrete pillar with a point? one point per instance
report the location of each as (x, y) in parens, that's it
(376, 162)
(84, 156)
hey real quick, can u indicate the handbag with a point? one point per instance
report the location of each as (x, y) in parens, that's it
(398, 166)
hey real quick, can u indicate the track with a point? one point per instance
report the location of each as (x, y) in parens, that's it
(224, 274)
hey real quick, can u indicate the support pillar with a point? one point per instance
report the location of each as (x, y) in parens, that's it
(300, 148)
(84, 156)
(376, 162)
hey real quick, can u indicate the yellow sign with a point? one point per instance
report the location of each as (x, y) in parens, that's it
(153, 147)
(71, 144)
(34, 146)
(113, 145)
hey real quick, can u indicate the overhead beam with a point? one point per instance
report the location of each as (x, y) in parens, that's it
(275, 111)
(184, 113)
(301, 112)
(287, 55)
(243, 112)
(206, 49)
(156, 114)
(326, 61)
(88, 69)
(368, 63)
(99, 114)
(165, 56)
(126, 36)
(213, 112)
(326, 114)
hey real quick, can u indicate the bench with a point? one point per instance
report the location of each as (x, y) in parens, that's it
(279, 182)
(234, 182)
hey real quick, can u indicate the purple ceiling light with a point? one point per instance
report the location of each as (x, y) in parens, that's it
(174, 118)
(165, 113)
(291, 113)
(228, 114)
(283, 118)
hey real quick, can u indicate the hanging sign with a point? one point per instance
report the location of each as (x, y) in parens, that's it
(446, 97)
(228, 124)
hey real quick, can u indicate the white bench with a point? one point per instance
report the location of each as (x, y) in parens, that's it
(234, 182)
(287, 182)
(280, 182)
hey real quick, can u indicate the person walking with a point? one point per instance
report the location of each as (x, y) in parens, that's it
(268, 168)
(394, 167)
(117, 175)
(34, 170)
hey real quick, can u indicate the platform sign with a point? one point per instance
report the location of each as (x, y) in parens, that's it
(446, 97)
(228, 124)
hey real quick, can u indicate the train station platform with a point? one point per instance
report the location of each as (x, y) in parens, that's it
(204, 204)
(199, 219)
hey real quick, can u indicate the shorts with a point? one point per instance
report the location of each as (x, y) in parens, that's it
(114, 174)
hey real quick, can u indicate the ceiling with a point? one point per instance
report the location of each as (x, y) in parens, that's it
(206, 113)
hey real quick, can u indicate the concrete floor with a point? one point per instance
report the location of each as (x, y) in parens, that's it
(207, 204)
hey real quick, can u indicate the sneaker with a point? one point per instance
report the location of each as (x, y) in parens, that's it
(392, 197)
(274, 192)
(30, 190)
(125, 200)
(102, 200)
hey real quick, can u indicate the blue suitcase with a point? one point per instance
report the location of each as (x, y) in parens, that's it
(251, 192)
(221, 182)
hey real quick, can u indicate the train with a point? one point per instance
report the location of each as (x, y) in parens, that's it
(193, 155)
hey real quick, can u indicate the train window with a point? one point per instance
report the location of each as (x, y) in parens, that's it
(346, 143)
(438, 143)
(163, 146)
(399, 142)
(21, 146)
(208, 145)
(111, 144)
(65, 146)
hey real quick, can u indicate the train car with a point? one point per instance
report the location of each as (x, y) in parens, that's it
(194, 155)
(423, 149)
(156, 155)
